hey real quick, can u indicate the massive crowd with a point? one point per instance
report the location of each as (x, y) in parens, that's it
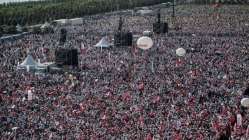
(127, 93)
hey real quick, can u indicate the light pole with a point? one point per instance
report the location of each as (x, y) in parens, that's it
(71, 7)
(173, 6)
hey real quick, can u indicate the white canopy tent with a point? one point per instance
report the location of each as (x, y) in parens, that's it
(62, 21)
(103, 43)
(145, 12)
(30, 64)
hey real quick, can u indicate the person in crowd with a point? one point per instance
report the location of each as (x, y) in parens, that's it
(196, 98)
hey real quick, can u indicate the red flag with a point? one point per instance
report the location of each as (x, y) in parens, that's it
(217, 5)
(126, 96)
(82, 107)
(200, 137)
(149, 137)
(156, 99)
(126, 118)
(104, 117)
(177, 136)
(179, 62)
(108, 94)
(141, 86)
(161, 128)
(152, 114)
(141, 121)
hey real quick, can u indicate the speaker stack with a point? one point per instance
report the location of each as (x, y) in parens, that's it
(63, 36)
(246, 92)
(123, 39)
(160, 27)
(66, 57)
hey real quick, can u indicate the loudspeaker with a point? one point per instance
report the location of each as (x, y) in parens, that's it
(61, 57)
(160, 28)
(63, 36)
(129, 38)
(246, 92)
(66, 57)
(123, 39)
(72, 56)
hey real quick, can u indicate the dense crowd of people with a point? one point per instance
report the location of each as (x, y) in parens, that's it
(127, 93)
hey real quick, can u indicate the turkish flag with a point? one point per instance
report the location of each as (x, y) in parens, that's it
(141, 121)
(156, 99)
(177, 136)
(141, 86)
(217, 5)
(179, 62)
(126, 96)
(82, 107)
(149, 137)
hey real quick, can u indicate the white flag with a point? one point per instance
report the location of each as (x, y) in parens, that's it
(30, 95)
(239, 120)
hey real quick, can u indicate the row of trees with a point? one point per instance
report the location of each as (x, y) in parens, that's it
(219, 1)
(28, 13)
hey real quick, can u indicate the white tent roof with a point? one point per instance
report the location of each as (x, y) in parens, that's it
(144, 12)
(29, 61)
(145, 8)
(76, 21)
(45, 25)
(104, 43)
(62, 21)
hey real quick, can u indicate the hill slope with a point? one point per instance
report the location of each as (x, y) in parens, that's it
(39, 12)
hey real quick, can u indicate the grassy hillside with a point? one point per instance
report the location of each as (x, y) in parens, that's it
(219, 1)
(39, 12)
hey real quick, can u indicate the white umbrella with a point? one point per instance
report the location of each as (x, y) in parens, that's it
(180, 52)
(144, 43)
(245, 102)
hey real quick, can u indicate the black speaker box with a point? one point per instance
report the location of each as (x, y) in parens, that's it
(65, 57)
(63, 36)
(160, 28)
(123, 39)
(246, 92)
(61, 57)
(73, 57)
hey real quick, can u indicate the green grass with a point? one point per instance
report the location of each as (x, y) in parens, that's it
(39, 12)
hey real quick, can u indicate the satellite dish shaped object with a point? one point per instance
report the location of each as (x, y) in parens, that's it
(144, 43)
(245, 102)
(180, 52)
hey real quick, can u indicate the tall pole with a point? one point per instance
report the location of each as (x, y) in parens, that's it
(173, 6)
(71, 8)
(159, 16)
(71, 5)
